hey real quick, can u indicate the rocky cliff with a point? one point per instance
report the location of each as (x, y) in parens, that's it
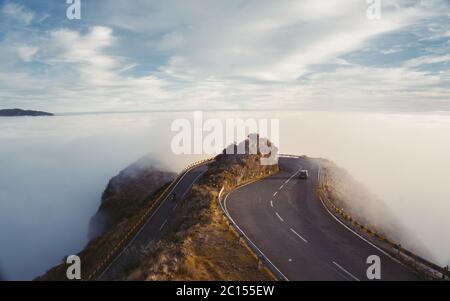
(126, 193)
(201, 246)
(133, 189)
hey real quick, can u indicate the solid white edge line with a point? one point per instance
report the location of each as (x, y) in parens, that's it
(345, 271)
(351, 230)
(229, 216)
(193, 182)
(148, 220)
(301, 237)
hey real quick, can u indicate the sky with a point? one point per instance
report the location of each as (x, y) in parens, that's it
(235, 54)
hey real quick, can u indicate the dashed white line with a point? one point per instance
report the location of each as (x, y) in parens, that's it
(245, 235)
(301, 237)
(287, 181)
(162, 226)
(351, 230)
(281, 219)
(281, 187)
(271, 203)
(345, 271)
(275, 193)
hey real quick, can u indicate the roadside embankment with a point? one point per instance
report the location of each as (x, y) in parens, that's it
(202, 246)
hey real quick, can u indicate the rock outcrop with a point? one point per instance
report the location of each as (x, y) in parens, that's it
(126, 193)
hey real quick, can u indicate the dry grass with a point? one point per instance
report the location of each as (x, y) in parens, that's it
(200, 247)
(203, 247)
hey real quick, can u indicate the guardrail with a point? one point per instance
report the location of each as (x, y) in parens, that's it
(129, 237)
(262, 259)
(401, 253)
(131, 234)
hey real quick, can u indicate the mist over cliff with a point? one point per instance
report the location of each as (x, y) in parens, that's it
(55, 170)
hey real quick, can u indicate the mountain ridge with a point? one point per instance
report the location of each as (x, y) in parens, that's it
(19, 112)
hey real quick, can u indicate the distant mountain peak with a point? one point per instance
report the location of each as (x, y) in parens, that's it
(20, 112)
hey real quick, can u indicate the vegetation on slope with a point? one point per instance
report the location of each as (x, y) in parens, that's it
(202, 247)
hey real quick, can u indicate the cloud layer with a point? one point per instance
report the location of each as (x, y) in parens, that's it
(169, 55)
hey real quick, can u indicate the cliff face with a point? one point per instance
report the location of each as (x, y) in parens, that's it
(354, 198)
(126, 193)
(201, 246)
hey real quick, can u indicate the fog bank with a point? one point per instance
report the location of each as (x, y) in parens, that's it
(53, 171)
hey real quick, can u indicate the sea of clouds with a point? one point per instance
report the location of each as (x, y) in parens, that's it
(54, 170)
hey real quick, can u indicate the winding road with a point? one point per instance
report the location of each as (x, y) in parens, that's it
(156, 226)
(284, 219)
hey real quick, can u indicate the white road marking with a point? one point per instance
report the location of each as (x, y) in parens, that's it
(148, 220)
(175, 207)
(354, 232)
(301, 237)
(345, 271)
(275, 193)
(293, 175)
(195, 180)
(162, 226)
(237, 226)
(271, 203)
(281, 187)
(281, 219)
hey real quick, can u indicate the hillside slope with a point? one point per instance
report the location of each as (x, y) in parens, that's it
(200, 246)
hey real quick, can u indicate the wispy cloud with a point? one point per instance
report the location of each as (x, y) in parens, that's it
(17, 12)
(186, 55)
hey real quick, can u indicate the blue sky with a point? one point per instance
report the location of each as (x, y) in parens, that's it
(186, 55)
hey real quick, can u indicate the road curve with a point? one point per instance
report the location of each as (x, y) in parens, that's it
(156, 226)
(283, 217)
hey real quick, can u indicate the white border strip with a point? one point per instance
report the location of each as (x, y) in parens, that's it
(225, 210)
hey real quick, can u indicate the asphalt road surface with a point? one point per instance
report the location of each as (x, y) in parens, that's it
(155, 227)
(283, 217)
